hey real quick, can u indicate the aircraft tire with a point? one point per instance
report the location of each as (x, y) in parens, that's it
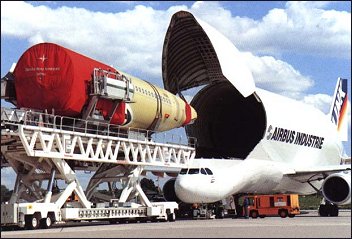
(333, 210)
(323, 210)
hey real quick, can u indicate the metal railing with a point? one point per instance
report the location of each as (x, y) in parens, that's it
(34, 118)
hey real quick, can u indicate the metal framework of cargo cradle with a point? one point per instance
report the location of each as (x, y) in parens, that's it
(45, 147)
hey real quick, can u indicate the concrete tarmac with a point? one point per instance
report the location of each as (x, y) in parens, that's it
(302, 226)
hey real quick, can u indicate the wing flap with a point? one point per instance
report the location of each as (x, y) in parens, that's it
(316, 173)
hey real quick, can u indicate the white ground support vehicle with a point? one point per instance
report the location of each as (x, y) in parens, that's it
(44, 149)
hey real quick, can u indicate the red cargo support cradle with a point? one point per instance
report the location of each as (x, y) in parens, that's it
(105, 106)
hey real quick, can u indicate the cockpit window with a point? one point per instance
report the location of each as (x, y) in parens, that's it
(183, 171)
(209, 172)
(202, 171)
(193, 171)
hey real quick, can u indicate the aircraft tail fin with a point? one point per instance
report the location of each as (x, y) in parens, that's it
(339, 108)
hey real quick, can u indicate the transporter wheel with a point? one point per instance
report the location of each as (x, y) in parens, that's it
(122, 221)
(171, 217)
(254, 214)
(32, 221)
(283, 213)
(113, 221)
(132, 220)
(143, 220)
(46, 222)
(291, 215)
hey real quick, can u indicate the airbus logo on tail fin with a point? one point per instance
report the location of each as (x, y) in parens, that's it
(339, 101)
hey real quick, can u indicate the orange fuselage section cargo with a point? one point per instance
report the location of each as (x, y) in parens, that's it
(51, 77)
(282, 205)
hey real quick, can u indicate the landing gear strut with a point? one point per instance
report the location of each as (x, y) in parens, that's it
(328, 209)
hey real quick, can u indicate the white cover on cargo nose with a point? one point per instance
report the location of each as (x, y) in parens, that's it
(195, 54)
(231, 61)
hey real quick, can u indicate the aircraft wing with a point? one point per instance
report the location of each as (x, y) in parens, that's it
(316, 173)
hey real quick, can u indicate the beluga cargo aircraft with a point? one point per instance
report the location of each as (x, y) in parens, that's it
(250, 140)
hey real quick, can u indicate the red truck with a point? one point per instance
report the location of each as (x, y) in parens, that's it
(282, 205)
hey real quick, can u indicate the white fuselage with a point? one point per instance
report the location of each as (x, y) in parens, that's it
(313, 137)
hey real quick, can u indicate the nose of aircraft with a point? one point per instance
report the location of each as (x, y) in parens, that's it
(184, 189)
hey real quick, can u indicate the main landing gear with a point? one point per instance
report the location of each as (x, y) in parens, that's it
(328, 209)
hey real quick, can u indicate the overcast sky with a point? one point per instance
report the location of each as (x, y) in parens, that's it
(297, 49)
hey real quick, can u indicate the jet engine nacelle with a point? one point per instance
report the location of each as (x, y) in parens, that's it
(169, 191)
(336, 188)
